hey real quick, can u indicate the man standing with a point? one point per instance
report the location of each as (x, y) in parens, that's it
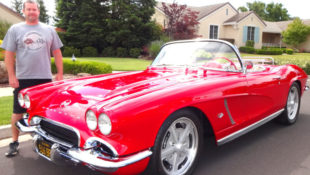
(33, 43)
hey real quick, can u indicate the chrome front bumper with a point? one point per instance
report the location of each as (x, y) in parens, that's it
(78, 155)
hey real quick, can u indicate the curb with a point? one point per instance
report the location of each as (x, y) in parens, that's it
(5, 132)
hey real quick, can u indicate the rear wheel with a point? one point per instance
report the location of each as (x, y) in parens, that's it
(291, 112)
(177, 145)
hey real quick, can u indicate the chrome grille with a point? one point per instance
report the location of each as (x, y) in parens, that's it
(62, 133)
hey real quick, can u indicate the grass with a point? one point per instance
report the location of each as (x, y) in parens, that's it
(120, 64)
(6, 108)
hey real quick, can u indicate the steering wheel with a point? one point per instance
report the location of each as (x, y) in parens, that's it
(231, 62)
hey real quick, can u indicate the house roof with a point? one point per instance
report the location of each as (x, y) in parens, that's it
(11, 11)
(203, 10)
(242, 15)
(279, 27)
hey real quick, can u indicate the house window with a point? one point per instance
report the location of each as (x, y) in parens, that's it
(226, 12)
(251, 32)
(213, 32)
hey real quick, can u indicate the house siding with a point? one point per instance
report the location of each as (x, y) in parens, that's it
(253, 21)
(216, 18)
(9, 17)
(160, 18)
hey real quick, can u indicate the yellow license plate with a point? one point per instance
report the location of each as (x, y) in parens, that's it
(44, 148)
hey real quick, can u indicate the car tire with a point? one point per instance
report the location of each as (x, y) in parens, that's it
(177, 145)
(290, 114)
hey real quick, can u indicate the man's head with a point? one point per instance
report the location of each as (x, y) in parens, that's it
(31, 11)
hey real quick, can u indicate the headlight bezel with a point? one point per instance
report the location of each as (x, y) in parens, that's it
(35, 120)
(27, 101)
(91, 120)
(21, 99)
(104, 124)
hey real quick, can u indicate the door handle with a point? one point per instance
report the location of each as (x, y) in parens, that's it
(277, 78)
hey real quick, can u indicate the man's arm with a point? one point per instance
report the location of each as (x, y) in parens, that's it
(10, 66)
(58, 61)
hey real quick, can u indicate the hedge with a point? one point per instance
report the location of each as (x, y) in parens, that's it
(69, 51)
(247, 49)
(269, 51)
(89, 52)
(289, 51)
(75, 67)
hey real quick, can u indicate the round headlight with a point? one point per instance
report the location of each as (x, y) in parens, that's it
(91, 120)
(27, 101)
(35, 120)
(21, 100)
(104, 124)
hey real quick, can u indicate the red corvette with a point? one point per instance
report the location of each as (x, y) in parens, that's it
(153, 121)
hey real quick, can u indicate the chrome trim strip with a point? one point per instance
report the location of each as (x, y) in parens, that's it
(228, 112)
(92, 139)
(248, 128)
(92, 159)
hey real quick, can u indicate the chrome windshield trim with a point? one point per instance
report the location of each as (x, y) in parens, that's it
(92, 159)
(248, 128)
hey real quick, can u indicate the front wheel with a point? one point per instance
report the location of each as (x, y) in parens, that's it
(291, 112)
(177, 145)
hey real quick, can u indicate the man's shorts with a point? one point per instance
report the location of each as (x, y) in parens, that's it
(25, 83)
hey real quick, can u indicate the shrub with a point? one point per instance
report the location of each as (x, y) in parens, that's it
(75, 67)
(89, 52)
(269, 51)
(289, 51)
(69, 51)
(121, 52)
(1, 52)
(249, 43)
(134, 52)
(247, 49)
(108, 52)
(155, 48)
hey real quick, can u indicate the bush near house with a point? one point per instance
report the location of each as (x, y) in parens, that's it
(75, 67)
(247, 49)
(289, 51)
(69, 51)
(249, 43)
(1, 52)
(269, 51)
(134, 52)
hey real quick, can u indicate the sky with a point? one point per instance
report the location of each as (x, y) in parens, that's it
(296, 8)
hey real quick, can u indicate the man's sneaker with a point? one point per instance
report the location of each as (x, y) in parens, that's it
(13, 149)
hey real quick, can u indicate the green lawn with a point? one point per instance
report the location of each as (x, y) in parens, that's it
(120, 64)
(6, 108)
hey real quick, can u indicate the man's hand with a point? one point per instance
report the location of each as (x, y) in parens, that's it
(58, 77)
(14, 83)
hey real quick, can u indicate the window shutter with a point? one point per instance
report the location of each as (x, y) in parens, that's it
(245, 33)
(256, 36)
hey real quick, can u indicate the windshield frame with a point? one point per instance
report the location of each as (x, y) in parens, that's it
(233, 47)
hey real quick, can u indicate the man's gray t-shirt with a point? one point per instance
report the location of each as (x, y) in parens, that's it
(33, 45)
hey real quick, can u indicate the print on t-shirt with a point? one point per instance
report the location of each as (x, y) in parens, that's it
(33, 41)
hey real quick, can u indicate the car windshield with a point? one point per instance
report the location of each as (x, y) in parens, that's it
(207, 54)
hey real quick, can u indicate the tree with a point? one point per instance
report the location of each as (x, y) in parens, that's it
(17, 5)
(276, 12)
(269, 12)
(106, 23)
(44, 17)
(4, 27)
(182, 21)
(296, 33)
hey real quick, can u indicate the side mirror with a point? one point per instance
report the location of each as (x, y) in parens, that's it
(248, 64)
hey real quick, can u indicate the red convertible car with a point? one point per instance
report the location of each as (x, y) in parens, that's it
(154, 121)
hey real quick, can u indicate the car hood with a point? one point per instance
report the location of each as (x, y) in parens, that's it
(74, 97)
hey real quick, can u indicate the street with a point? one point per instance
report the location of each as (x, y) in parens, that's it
(272, 149)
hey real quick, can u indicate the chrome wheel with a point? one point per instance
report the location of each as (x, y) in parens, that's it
(179, 146)
(292, 103)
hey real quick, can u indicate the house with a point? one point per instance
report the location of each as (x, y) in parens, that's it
(10, 16)
(223, 21)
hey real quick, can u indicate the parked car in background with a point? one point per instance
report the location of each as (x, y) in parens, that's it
(153, 121)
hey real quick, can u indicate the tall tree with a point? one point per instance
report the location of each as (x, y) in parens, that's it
(182, 21)
(269, 12)
(258, 7)
(44, 17)
(276, 12)
(296, 33)
(106, 23)
(17, 5)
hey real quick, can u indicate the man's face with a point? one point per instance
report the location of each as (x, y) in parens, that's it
(31, 12)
